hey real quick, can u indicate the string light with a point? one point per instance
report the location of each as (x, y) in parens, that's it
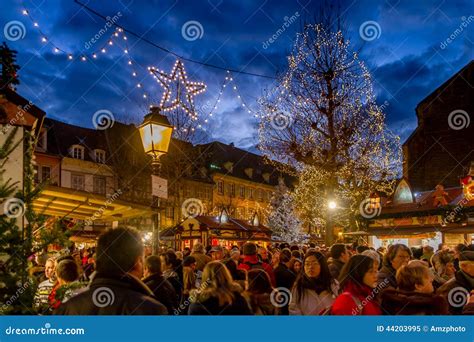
(194, 88)
(178, 75)
(355, 155)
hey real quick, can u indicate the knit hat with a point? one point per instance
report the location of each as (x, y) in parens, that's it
(249, 249)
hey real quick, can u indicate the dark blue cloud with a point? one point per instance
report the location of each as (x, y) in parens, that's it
(406, 61)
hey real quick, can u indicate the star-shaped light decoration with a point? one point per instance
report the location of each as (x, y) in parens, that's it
(184, 90)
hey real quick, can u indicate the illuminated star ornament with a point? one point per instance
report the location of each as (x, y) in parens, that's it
(184, 91)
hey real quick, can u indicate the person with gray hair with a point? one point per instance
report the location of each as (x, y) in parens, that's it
(372, 254)
(201, 258)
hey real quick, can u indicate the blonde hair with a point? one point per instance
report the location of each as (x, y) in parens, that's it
(217, 282)
(412, 274)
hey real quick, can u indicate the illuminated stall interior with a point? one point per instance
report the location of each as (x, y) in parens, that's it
(425, 218)
(217, 230)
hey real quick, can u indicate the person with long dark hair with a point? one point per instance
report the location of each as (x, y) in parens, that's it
(258, 293)
(314, 289)
(219, 294)
(358, 280)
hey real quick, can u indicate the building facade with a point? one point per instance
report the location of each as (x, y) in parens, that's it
(441, 148)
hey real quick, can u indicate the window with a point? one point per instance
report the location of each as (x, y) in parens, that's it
(99, 156)
(45, 173)
(77, 152)
(269, 196)
(42, 141)
(188, 191)
(220, 187)
(260, 194)
(251, 193)
(99, 185)
(232, 190)
(209, 193)
(242, 191)
(77, 181)
(36, 174)
(170, 212)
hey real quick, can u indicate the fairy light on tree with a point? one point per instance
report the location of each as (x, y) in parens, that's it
(323, 121)
(283, 218)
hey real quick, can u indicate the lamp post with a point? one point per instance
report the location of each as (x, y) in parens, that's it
(155, 132)
(329, 236)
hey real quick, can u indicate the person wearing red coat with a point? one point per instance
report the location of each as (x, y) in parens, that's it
(251, 261)
(358, 279)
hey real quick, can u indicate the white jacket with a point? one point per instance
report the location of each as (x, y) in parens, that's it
(311, 303)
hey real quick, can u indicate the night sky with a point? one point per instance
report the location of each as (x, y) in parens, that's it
(408, 60)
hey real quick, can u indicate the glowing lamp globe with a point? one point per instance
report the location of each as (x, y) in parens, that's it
(155, 132)
(332, 205)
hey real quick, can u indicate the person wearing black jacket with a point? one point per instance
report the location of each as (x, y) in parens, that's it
(116, 288)
(284, 277)
(339, 257)
(162, 288)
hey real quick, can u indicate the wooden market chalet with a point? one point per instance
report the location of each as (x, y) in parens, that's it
(423, 215)
(220, 230)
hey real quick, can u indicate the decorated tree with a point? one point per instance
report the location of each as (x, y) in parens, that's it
(19, 241)
(322, 120)
(283, 218)
(8, 77)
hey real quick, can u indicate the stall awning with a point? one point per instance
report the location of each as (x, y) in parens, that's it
(63, 202)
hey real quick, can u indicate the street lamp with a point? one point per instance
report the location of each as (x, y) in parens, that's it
(155, 132)
(332, 205)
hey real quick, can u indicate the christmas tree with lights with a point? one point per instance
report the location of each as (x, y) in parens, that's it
(23, 232)
(283, 219)
(322, 120)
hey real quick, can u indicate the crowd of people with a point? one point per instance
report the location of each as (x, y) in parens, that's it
(116, 278)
